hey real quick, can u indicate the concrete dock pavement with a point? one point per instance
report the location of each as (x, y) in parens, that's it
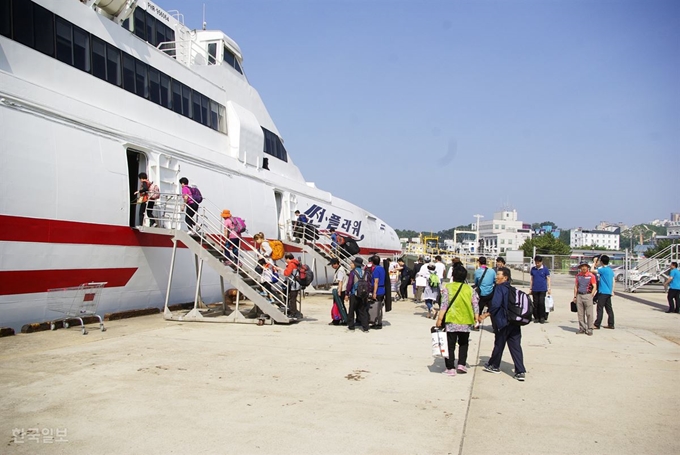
(147, 385)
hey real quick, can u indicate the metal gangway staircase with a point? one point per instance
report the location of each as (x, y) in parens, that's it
(315, 243)
(653, 269)
(207, 243)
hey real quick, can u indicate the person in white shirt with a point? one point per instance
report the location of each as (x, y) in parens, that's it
(339, 291)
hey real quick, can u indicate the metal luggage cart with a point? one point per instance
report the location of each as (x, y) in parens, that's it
(75, 303)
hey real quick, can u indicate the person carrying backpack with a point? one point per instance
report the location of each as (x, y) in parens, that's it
(293, 286)
(264, 249)
(358, 290)
(431, 291)
(232, 236)
(190, 205)
(458, 314)
(504, 332)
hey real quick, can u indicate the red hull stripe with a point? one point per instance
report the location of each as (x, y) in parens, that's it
(40, 230)
(34, 281)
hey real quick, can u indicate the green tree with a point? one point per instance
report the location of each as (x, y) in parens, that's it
(407, 233)
(565, 236)
(545, 244)
(661, 245)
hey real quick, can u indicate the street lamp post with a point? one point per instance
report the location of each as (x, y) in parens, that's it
(479, 245)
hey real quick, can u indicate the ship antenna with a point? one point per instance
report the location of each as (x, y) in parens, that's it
(204, 22)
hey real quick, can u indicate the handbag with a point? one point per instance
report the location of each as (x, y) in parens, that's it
(440, 342)
(573, 307)
(549, 304)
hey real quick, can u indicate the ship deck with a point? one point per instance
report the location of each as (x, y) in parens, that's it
(147, 385)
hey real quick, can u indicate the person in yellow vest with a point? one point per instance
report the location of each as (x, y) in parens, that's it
(458, 314)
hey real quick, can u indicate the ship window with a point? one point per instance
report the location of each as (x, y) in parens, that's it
(98, 58)
(141, 87)
(160, 33)
(205, 104)
(273, 145)
(140, 23)
(165, 91)
(5, 19)
(212, 53)
(238, 67)
(81, 49)
(126, 24)
(177, 97)
(22, 18)
(151, 29)
(154, 85)
(186, 101)
(44, 30)
(64, 42)
(214, 110)
(196, 105)
(129, 73)
(223, 119)
(113, 65)
(229, 57)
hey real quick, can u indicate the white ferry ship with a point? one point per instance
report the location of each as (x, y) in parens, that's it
(92, 92)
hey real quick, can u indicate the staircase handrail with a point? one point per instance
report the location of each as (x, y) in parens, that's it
(210, 231)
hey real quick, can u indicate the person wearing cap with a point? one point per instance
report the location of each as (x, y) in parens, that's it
(233, 240)
(339, 291)
(585, 288)
(358, 307)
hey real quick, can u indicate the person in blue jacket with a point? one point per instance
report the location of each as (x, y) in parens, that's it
(504, 332)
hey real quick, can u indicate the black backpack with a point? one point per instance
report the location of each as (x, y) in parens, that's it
(351, 246)
(305, 276)
(363, 287)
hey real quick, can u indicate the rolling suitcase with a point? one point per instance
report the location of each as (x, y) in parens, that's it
(374, 311)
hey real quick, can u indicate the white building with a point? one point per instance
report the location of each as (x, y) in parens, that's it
(502, 233)
(581, 238)
(673, 228)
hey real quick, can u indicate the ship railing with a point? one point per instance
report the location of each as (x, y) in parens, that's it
(187, 51)
(319, 239)
(242, 257)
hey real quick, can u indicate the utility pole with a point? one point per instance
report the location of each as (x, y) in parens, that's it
(477, 229)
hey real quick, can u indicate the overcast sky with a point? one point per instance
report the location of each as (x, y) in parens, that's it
(565, 110)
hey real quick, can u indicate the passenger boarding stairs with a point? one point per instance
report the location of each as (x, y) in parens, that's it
(207, 243)
(655, 268)
(317, 244)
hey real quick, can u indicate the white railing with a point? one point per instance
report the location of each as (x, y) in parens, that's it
(169, 213)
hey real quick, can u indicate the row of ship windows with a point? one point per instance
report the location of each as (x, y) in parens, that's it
(34, 26)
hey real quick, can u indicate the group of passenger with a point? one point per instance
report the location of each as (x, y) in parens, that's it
(366, 290)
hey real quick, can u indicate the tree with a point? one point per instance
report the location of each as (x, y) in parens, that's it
(406, 233)
(545, 244)
(565, 237)
(660, 246)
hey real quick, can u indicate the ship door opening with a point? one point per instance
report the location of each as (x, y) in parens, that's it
(280, 219)
(137, 162)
